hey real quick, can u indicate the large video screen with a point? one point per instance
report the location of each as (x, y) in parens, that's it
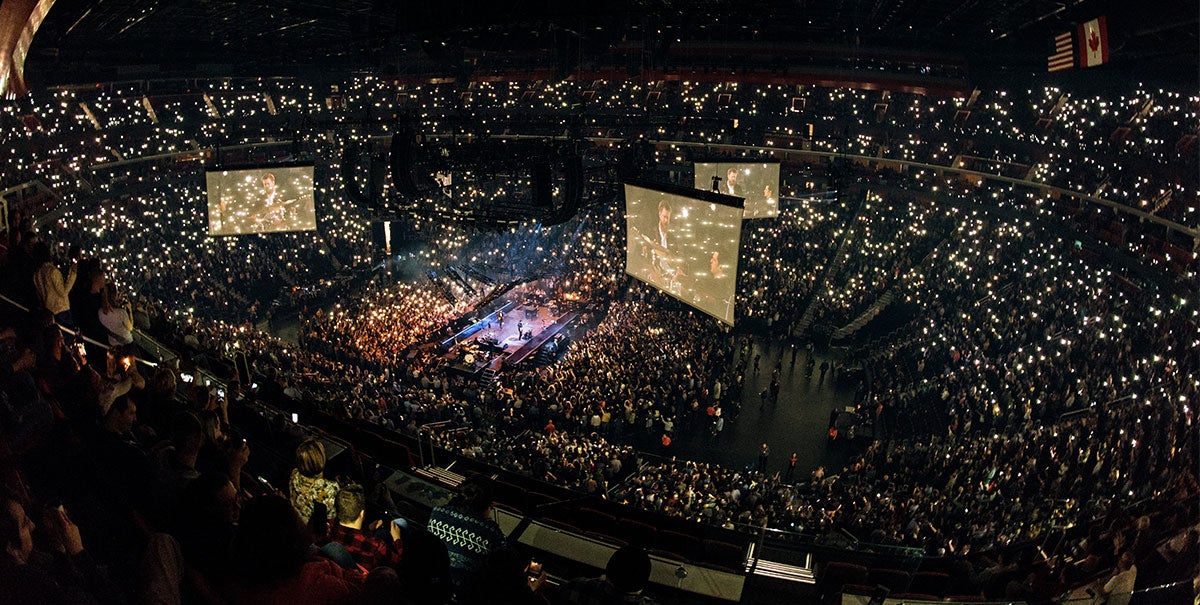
(262, 200)
(757, 183)
(685, 243)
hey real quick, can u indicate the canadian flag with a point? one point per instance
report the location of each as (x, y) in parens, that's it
(1093, 43)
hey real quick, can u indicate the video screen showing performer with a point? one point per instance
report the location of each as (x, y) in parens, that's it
(684, 246)
(757, 182)
(265, 200)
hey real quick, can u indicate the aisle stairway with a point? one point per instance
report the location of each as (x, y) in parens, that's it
(800, 328)
(488, 377)
(866, 316)
(442, 476)
(886, 299)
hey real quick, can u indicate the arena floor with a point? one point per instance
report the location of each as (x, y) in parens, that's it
(797, 423)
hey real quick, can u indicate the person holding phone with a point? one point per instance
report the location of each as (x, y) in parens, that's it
(120, 377)
(53, 289)
(507, 577)
(71, 578)
(535, 574)
(116, 316)
(366, 547)
(625, 576)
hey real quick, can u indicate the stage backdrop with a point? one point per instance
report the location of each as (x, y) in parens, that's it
(685, 243)
(757, 182)
(261, 200)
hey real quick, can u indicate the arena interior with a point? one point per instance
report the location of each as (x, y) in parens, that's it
(626, 301)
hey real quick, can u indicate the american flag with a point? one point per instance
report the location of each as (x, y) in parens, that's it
(1063, 57)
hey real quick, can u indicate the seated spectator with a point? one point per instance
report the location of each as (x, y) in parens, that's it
(24, 412)
(65, 575)
(121, 456)
(466, 526)
(625, 576)
(204, 525)
(367, 549)
(127, 491)
(308, 484)
(158, 408)
(426, 569)
(272, 564)
(221, 453)
(177, 462)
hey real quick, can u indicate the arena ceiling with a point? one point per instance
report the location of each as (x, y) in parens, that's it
(174, 35)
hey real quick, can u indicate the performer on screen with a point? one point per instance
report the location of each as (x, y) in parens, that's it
(658, 246)
(714, 265)
(665, 259)
(272, 207)
(220, 217)
(732, 185)
(270, 194)
(769, 196)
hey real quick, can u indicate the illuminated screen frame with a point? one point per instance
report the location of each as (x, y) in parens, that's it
(703, 171)
(677, 196)
(212, 197)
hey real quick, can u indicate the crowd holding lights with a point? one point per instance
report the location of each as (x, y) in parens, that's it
(883, 244)
(963, 376)
(1032, 375)
(1020, 396)
(782, 260)
(1129, 149)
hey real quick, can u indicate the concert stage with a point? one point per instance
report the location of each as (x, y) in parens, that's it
(492, 343)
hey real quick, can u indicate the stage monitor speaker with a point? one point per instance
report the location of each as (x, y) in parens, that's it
(378, 241)
(543, 194)
(376, 179)
(574, 178)
(351, 153)
(401, 160)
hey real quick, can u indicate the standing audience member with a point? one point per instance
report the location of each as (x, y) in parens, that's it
(466, 527)
(53, 290)
(116, 316)
(86, 302)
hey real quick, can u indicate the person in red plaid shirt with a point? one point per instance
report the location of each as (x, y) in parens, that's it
(368, 550)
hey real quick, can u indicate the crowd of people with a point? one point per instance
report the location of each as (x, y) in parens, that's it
(127, 481)
(382, 323)
(640, 374)
(783, 260)
(1052, 135)
(1037, 387)
(881, 246)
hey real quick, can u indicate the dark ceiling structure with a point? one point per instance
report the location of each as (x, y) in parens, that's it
(82, 37)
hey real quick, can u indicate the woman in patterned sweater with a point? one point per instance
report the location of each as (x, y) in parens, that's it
(308, 485)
